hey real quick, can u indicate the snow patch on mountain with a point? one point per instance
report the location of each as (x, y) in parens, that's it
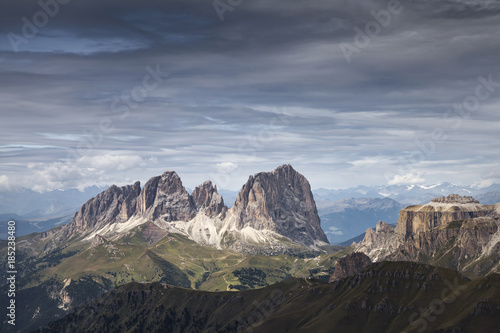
(429, 187)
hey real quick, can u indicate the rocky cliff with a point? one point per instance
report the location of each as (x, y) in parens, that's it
(163, 197)
(280, 201)
(98, 240)
(116, 204)
(380, 243)
(471, 246)
(207, 199)
(455, 199)
(439, 211)
(454, 232)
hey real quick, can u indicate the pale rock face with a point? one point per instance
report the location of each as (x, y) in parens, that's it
(474, 240)
(98, 240)
(64, 297)
(383, 227)
(456, 199)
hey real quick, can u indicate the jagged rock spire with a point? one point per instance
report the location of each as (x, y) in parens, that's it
(206, 198)
(164, 196)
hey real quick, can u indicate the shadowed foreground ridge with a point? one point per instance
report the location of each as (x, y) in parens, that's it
(384, 297)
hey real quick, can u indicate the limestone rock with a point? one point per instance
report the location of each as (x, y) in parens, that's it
(270, 205)
(383, 227)
(472, 245)
(454, 232)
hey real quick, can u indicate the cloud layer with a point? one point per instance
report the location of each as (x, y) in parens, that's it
(112, 92)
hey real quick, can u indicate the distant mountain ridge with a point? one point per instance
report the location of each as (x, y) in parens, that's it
(31, 204)
(347, 213)
(38, 212)
(347, 218)
(409, 194)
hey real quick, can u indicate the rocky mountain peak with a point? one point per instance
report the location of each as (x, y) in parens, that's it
(454, 231)
(383, 227)
(378, 243)
(170, 183)
(207, 198)
(286, 170)
(455, 199)
(116, 204)
(280, 201)
(164, 196)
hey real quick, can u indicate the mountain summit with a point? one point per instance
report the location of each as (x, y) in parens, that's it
(163, 197)
(280, 201)
(273, 213)
(116, 204)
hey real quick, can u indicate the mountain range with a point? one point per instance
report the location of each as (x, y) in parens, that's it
(161, 233)
(411, 194)
(163, 236)
(274, 212)
(345, 213)
(344, 219)
(405, 294)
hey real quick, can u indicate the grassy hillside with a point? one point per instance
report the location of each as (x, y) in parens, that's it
(68, 274)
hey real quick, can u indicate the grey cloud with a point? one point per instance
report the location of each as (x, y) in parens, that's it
(227, 80)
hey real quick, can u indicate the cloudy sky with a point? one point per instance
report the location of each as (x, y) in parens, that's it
(348, 92)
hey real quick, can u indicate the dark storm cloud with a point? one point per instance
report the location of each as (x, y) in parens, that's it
(267, 85)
